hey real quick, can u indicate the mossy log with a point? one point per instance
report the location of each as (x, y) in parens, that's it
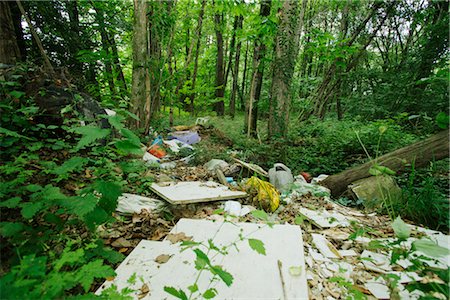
(418, 154)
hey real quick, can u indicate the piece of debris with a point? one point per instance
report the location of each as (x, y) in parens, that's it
(162, 259)
(216, 163)
(263, 193)
(252, 167)
(235, 208)
(194, 192)
(324, 218)
(129, 204)
(121, 243)
(188, 137)
(324, 246)
(178, 237)
(281, 177)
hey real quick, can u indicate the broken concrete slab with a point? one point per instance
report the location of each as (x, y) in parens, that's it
(194, 192)
(325, 219)
(254, 275)
(324, 246)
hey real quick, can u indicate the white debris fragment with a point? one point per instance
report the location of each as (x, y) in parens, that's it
(324, 246)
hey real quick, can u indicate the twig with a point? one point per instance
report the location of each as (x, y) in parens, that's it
(282, 280)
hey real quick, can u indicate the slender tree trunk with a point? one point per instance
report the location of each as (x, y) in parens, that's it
(232, 46)
(244, 78)
(286, 51)
(236, 71)
(140, 59)
(9, 48)
(220, 74)
(259, 51)
(418, 154)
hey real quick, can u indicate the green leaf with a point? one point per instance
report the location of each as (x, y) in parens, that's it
(257, 245)
(210, 293)
(402, 231)
(80, 205)
(13, 133)
(11, 203)
(193, 288)
(260, 214)
(131, 136)
(73, 164)
(110, 193)
(116, 122)
(30, 209)
(68, 257)
(128, 147)
(376, 170)
(443, 120)
(16, 94)
(202, 259)
(174, 292)
(226, 277)
(92, 270)
(90, 134)
(295, 271)
(430, 248)
(10, 229)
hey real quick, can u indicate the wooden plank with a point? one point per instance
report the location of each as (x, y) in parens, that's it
(255, 276)
(194, 192)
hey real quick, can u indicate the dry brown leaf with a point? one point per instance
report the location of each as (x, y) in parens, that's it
(144, 291)
(123, 250)
(121, 243)
(163, 258)
(178, 237)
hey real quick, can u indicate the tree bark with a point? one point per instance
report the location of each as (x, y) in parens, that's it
(419, 154)
(236, 71)
(220, 74)
(286, 52)
(259, 51)
(140, 57)
(9, 49)
(244, 78)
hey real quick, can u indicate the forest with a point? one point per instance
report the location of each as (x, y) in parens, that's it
(346, 101)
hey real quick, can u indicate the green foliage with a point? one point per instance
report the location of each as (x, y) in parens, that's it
(257, 245)
(402, 231)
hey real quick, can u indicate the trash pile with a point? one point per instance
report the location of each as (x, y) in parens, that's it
(344, 252)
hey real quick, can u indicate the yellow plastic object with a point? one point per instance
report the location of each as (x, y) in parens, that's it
(265, 194)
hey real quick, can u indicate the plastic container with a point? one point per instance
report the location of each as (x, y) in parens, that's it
(281, 177)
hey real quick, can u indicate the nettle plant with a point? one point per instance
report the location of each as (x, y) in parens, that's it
(58, 183)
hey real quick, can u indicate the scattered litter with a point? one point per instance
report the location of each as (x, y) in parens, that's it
(202, 121)
(129, 204)
(157, 151)
(168, 165)
(194, 192)
(188, 137)
(378, 289)
(324, 246)
(253, 167)
(324, 218)
(150, 158)
(236, 209)
(300, 187)
(350, 252)
(216, 163)
(376, 262)
(319, 178)
(374, 190)
(264, 194)
(281, 177)
(176, 145)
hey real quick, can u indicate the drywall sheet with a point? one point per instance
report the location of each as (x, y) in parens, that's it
(279, 274)
(194, 192)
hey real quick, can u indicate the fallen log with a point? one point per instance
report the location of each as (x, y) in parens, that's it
(420, 154)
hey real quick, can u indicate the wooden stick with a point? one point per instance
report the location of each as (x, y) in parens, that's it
(282, 279)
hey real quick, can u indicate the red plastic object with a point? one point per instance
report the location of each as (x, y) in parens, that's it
(157, 151)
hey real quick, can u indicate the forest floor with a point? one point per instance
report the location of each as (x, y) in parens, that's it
(353, 254)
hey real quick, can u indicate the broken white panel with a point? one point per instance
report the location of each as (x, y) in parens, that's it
(324, 246)
(194, 192)
(378, 289)
(255, 275)
(407, 277)
(235, 208)
(325, 219)
(316, 255)
(129, 203)
(376, 262)
(350, 252)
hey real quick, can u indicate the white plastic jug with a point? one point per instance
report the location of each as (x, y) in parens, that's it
(281, 177)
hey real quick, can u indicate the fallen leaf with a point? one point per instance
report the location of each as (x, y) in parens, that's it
(163, 258)
(178, 237)
(123, 250)
(295, 271)
(110, 278)
(121, 243)
(144, 291)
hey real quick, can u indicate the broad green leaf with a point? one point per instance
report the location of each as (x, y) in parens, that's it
(257, 245)
(430, 248)
(90, 134)
(68, 257)
(226, 277)
(30, 209)
(402, 231)
(110, 193)
(210, 293)
(16, 94)
(376, 170)
(92, 270)
(260, 214)
(128, 147)
(193, 288)
(176, 293)
(13, 133)
(131, 136)
(442, 120)
(202, 259)
(10, 229)
(116, 122)
(72, 165)
(11, 203)
(80, 205)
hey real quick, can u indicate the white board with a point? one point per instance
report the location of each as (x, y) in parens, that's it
(255, 276)
(194, 191)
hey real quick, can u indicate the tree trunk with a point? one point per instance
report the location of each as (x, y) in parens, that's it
(140, 58)
(286, 52)
(244, 78)
(236, 71)
(259, 51)
(420, 154)
(9, 49)
(220, 76)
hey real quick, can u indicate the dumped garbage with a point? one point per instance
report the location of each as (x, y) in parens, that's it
(263, 193)
(300, 188)
(129, 204)
(157, 151)
(216, 163)
(151, 158)
(281, 177)
(239, 263)
(252, 167)
(176, 145)
(188, 137)
(375, 190)
(235, 208)
(194, 192)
